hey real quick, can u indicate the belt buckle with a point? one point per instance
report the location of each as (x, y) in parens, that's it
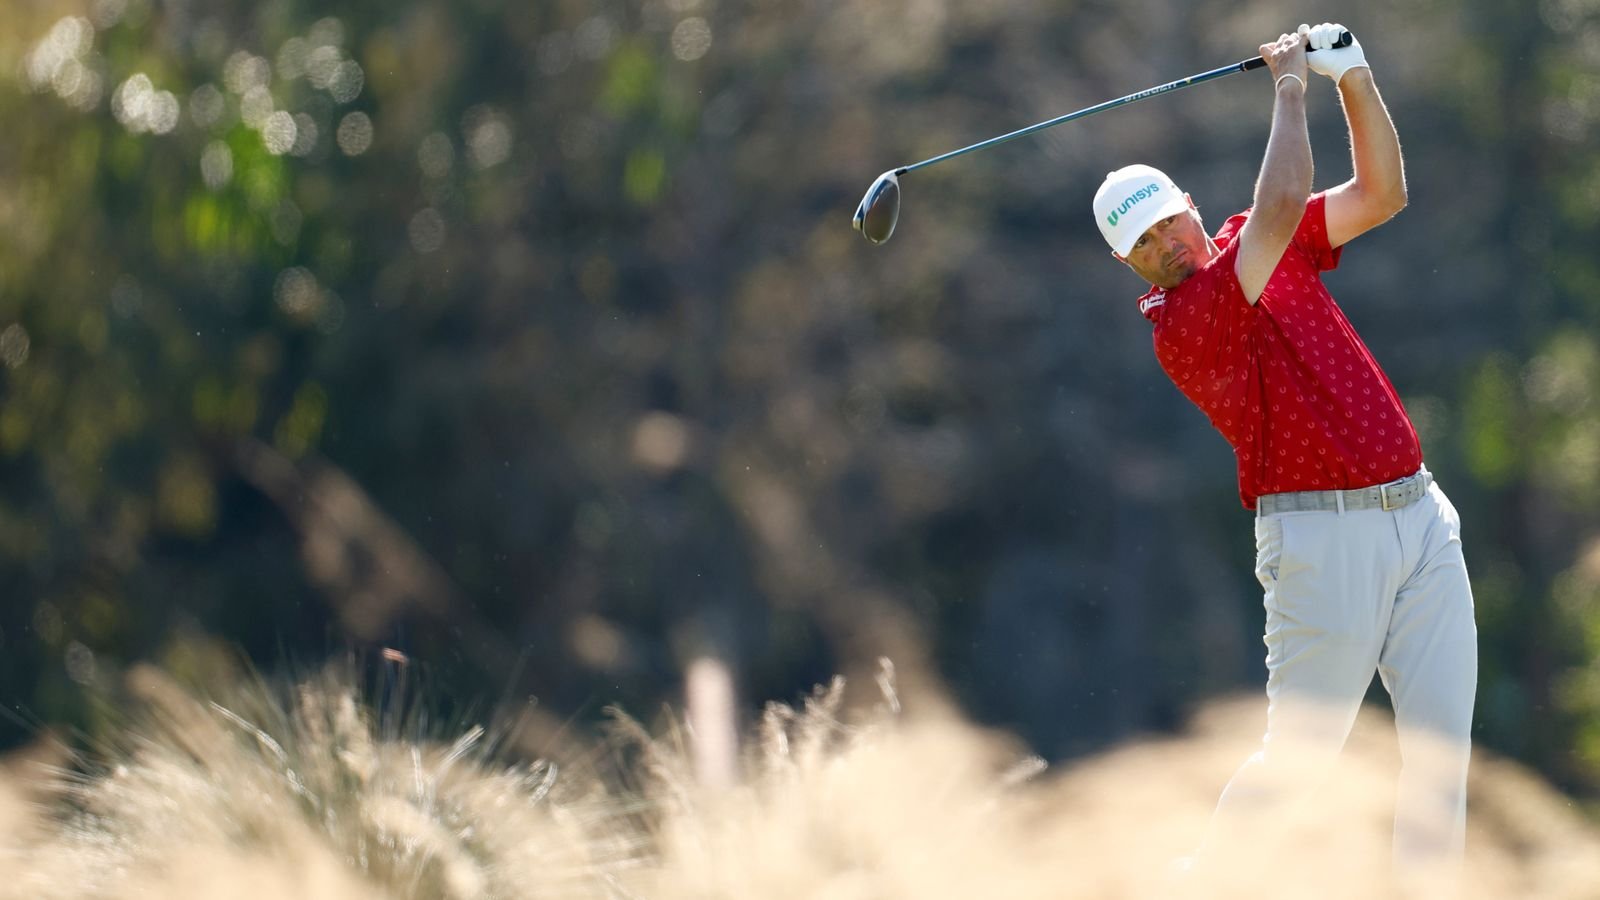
(1383, 494)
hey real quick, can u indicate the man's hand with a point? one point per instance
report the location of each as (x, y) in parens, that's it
(1329, 60)
(1286, 56)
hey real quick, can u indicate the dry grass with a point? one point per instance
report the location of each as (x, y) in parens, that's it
(308, 795)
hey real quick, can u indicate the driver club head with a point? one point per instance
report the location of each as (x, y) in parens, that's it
(875, 218)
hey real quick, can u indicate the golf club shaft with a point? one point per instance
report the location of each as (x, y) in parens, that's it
(1241, 66)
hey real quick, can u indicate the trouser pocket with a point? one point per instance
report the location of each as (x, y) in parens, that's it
(1269, 550)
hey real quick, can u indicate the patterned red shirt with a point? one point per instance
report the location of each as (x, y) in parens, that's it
(1287, 381)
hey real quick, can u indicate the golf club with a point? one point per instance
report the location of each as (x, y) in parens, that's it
(875, 218)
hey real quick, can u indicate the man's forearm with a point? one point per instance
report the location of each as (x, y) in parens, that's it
(1286, 170)
(1281, 191)
(1374, 144)
(1285, 180)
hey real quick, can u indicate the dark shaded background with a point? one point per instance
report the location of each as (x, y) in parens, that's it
(533, 341)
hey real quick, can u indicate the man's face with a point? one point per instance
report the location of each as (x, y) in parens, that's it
(1171, 250)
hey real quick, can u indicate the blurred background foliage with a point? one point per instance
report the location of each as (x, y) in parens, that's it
(532, 340)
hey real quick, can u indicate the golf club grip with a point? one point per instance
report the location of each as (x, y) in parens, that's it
(1344, 40)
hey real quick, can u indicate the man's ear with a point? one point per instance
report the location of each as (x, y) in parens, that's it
(1119, 257)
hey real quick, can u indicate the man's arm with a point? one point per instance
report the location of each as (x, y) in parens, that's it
(1378, 189)
(1285, 180)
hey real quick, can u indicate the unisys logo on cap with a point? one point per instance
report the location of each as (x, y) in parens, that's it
(1147, 191)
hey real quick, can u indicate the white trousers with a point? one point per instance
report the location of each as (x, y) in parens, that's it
(1347, 593)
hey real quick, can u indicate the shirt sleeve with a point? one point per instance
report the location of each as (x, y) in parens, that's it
(1311, 238)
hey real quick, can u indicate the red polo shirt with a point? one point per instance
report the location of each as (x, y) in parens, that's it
(1287, 381)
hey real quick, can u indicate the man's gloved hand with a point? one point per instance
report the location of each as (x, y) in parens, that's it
(1328, 61)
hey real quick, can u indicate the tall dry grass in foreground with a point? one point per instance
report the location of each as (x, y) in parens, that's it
(311, 794)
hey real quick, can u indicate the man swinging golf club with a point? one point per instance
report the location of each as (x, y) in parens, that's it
(1358, 551)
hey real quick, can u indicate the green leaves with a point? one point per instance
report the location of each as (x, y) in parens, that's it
(631, 79)
(1491, 420)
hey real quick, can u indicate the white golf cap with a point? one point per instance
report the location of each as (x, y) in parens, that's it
(1130, 200)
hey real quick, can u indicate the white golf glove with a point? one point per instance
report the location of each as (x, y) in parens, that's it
(1331, 62)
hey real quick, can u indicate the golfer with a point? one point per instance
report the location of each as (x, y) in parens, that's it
(1358, 551)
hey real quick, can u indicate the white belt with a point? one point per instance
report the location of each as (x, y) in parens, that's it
(1396, 494)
